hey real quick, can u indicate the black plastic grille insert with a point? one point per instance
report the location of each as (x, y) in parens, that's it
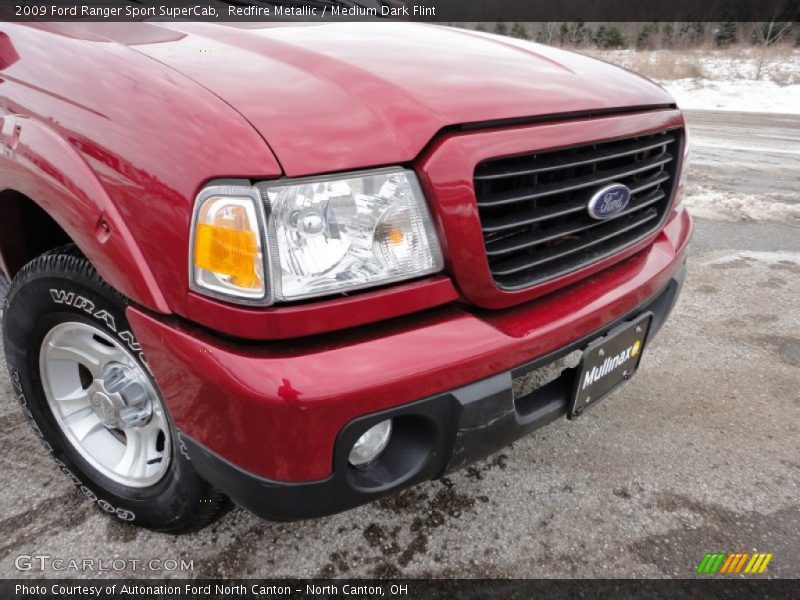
(534, 208)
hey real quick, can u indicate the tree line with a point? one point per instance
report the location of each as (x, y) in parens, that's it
(648, 36)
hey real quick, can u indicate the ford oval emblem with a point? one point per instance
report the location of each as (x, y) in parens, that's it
(609, 201)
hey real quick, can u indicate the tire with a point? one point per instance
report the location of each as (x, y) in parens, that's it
(59, 296)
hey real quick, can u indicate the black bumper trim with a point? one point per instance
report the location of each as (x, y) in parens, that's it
(431, 437)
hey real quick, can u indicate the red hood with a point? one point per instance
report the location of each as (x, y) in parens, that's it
(339, 96)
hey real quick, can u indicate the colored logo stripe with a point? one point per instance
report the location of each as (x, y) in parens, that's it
(722, 562)
(726, 566)
(758, 563)
(704, 563)
(711, 562)
(741, 562)
(736, 562)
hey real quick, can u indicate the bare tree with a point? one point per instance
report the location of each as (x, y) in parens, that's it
(548, 33)
(767, 35)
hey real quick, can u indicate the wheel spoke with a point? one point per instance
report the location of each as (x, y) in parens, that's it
(106, 354)
(133, 445)
(77, 354)
(83, 422)
(71, 403)
(83, 347)
(139, 450)
(150, 433)
(70, 354)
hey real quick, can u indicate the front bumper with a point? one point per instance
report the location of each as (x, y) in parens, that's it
(272, 424)
(431, 437)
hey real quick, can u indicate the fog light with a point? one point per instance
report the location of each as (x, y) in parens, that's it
(370, 445)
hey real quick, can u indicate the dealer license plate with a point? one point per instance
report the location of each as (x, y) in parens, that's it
(609, 362)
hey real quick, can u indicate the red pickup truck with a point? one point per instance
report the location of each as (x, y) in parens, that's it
(356, 256)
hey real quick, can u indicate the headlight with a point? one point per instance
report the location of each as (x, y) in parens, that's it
(337, 234)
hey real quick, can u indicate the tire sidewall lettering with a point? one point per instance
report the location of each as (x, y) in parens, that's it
(105, 505)
(88, 307)
(62, 286)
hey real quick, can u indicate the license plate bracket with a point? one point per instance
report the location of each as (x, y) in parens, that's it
(609, 362)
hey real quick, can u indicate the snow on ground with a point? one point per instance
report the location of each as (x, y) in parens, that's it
(779, 64)
(744, 166)
(739, 95)
(707, 203)
(720, 79)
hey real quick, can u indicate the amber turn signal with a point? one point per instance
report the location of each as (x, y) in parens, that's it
(227, 256)
(228, 252)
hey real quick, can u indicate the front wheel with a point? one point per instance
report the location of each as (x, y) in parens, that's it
(82, 379)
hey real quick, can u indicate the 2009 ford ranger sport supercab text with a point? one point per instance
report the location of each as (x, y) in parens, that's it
(342, 248)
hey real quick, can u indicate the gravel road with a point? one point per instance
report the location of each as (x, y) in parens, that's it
(697, 453)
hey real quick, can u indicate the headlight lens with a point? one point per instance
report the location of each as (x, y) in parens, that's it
(324, 235)
(227, 258)
(338, 234)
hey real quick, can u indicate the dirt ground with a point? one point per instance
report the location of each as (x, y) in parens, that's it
(698, 453)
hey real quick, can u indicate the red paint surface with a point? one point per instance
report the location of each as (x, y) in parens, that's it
(107, 132)
(122, 124)
(447, 174)
(276, 409)
(376, 94)
(323, 315)
(179, 104)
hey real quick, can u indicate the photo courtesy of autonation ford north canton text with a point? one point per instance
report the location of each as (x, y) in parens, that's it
(399, 298)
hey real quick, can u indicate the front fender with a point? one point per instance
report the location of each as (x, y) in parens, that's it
(40, 164)
(114, 146)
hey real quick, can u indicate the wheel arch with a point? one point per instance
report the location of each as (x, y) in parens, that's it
(50, 196)
(26, 231)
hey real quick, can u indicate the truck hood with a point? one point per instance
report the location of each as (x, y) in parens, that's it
(337, 96)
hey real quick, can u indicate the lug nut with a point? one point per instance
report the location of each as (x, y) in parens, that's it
(134, 416)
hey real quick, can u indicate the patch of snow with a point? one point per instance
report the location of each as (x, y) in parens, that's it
(740, 78)
(725, 206)
(742, 95)
(778, 64)
(722, 65)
